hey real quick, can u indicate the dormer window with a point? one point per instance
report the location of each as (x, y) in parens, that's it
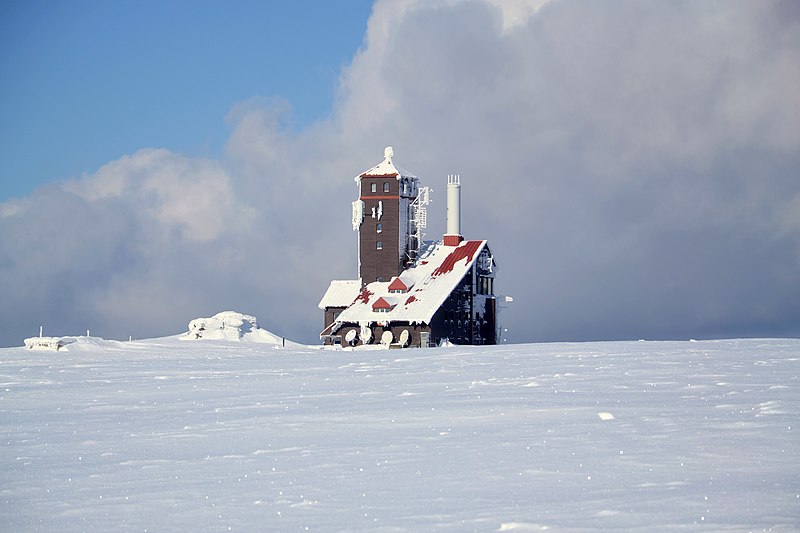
(381, 306)
(397, 286)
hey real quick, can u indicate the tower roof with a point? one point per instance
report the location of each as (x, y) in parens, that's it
(386, 168)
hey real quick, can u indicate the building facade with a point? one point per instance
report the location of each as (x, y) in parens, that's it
(410, 292)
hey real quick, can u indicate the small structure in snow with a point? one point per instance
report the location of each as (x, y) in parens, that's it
(48, 343)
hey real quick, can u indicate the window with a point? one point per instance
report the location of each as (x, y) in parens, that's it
(379, 227)
(374, 187)
(386, 186)
(379, 245)
(484, 285)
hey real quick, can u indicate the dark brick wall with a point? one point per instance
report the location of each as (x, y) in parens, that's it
(330, 315)
(384, 263)
(396, 329)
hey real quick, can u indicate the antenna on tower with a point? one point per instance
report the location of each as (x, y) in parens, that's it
(419, 218)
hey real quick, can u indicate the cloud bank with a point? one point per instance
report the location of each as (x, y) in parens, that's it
(634, 167)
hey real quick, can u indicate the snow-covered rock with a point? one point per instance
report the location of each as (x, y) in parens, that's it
(231, 326)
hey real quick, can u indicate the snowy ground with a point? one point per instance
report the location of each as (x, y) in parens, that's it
(169, 435)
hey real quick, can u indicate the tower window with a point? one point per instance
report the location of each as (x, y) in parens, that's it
(386, 186)
(379, 227)
(379, 245)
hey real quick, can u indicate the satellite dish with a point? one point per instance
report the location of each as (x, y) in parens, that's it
(386, 338)
(405, 336)
(351, 336)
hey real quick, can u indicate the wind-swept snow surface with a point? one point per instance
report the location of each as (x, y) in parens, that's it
(166, 435)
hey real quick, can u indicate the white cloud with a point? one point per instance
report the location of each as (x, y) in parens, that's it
(632, 164)
(193, 195)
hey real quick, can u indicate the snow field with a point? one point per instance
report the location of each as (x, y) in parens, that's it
(169, 435)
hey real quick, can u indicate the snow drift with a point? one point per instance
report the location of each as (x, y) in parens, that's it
(169, 435)
(226, 326)
(231, 326)
(48, 343)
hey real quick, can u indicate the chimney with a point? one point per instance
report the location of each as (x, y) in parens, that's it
(453, 236)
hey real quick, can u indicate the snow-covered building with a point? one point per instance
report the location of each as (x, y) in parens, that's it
(410, 292)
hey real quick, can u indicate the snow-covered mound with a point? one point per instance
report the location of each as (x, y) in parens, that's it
(70, 343)
(231, 326)
(48, 343)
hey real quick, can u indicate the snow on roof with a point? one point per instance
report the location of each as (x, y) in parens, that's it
(386, 168)
(432, 280)
(340, 293)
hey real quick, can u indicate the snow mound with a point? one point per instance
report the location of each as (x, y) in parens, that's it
(70, 343)
(231, 326)
(48, 343)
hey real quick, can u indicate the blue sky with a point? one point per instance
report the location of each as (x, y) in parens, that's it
(86, 82)
(632, 164)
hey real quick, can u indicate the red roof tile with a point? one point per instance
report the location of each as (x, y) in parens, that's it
(364, 296)
(398, 285)
(466, 250)
(380, 303)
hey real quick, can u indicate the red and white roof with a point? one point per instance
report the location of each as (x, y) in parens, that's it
(402, 283)
(430, 282)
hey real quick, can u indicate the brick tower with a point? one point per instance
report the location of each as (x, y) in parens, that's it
(383, 215)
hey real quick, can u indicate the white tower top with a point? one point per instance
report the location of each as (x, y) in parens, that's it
(453, 235)
(386, 167)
